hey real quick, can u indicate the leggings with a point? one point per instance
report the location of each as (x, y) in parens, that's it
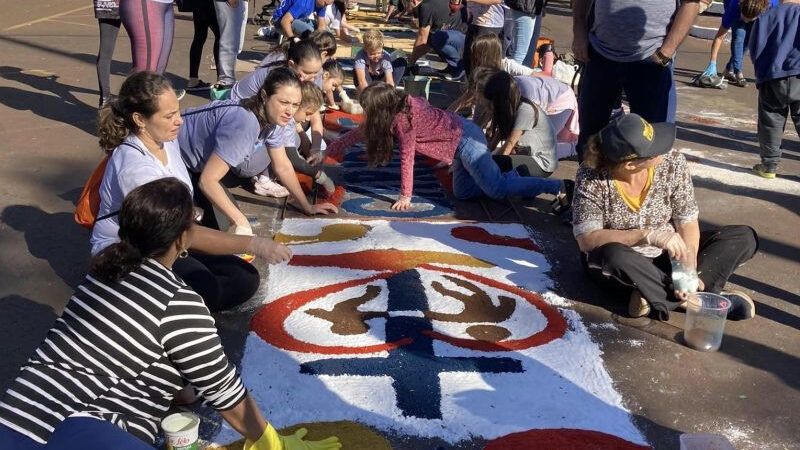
(76, 433)
(224, 281)
(109, 28)
(150, 25)
(204, 17)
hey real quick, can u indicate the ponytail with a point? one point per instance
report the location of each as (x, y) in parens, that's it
(116, 261)
(502, 92)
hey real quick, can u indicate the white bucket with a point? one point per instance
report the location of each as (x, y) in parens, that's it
(180, 431)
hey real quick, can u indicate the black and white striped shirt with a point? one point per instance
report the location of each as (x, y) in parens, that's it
(119, 352)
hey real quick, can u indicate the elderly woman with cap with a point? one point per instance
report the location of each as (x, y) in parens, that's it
(634, 212)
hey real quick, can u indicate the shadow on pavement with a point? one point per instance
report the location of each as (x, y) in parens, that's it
(23, 325)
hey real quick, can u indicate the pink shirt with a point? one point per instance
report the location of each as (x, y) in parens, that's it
(429, 131)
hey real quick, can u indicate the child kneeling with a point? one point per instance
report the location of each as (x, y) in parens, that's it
(373, 63)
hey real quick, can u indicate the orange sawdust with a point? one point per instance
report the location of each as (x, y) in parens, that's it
(352, 435)
(330, 233)
(389, 259)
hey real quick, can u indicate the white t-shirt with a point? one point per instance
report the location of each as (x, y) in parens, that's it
(130, 166)
(333, 18)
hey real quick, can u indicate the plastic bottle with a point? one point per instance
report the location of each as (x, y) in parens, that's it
(547, 58)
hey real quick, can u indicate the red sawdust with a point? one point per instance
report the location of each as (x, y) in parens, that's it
(330, 120)
(336, 198)
(480, 235)
(561, 439)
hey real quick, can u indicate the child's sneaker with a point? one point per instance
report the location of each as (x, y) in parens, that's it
(262, 185)
(742, 306)
(765, 171)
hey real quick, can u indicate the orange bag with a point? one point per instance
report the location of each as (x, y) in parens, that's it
(89, 203)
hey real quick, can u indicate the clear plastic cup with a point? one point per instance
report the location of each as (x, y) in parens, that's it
(705, 321)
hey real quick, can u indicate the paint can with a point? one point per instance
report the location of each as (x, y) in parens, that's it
(181, 431)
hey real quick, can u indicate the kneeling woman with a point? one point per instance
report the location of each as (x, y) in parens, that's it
(244, 136)
(129, 338)
(635, 210)
(139, 129)
(417, 127)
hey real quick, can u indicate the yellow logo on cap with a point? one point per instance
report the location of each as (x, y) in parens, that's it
(647, 132)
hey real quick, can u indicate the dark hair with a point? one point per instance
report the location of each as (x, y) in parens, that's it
(381, 103)
(277, 78)
(594, 158)
(298, 52)
(502, 92)
(152, 217)
(325, 42)
(138, 94)
(333, 68)
(486, 51)
(340, 6)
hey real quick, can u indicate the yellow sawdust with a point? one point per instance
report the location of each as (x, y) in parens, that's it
(352, 435)
(329, 233)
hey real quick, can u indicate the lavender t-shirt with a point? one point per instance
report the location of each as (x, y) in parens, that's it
(487, 16)
(249, 85)
(541, 90)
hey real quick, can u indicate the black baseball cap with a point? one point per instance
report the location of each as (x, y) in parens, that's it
(630, 137)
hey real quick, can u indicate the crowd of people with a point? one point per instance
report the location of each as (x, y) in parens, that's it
(167, 238)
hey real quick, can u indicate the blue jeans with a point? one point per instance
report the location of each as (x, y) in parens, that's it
(76, 433)
(649, 86)
(449, 44)
(740, 35)
(300, 26)
(231, 38)
(537, 31)
(475, 173)
(524, 25)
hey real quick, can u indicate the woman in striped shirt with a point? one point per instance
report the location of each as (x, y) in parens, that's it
(129, 338)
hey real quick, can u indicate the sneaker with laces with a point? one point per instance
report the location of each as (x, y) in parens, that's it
(765, 171)
(638, 306)
(742, 306)
(180, 93)
(262, 185)
(739, 80)
(199, 86)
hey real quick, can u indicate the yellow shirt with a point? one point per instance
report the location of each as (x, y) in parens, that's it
(635, 203)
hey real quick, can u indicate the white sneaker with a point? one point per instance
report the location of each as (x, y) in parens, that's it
(262, 185)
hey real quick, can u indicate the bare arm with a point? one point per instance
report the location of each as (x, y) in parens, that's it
(322, 24)
(511, 142)
(598, 238)
(283, 168)
(486, 2)
(420, 45)
(214, 242)
(684, 18)
(246, 418)
(210, 185)
(690, 232)
(361, 77)
(580, 29)
(389, 78)
(286, 25)
(717, 43)
(316, 131)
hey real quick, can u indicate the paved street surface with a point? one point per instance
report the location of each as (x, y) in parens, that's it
(748, 391)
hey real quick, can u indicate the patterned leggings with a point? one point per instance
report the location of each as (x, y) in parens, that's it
(150, 25)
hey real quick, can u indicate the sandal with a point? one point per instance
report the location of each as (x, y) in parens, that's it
(563, 201)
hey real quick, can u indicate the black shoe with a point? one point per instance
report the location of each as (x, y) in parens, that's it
(563, 201)
(448, 75)
(742, 306)
(200, 86)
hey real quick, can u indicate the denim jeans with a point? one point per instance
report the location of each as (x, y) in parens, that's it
(776, 99)
(475, 173)
(524, 25)
(537, 31)
(449, 44)
(231, 37)
(740, 35)
(302, 25)
(649, 86)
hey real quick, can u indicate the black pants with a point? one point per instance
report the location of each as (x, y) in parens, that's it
(619, 268)
(203, 17)
(109, 29)
(223, 281)
(525, 165)
(212, 217)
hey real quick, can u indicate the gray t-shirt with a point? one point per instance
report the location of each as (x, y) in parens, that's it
(630, 30)
(249, 85)
(539, 139)
(488, 16)
(361, 61)
(232, 132)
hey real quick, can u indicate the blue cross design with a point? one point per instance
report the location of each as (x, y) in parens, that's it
(414, 368)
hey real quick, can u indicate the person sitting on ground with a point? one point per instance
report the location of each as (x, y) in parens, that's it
(139, 129)
(245, 137)
(441, 29)
(529, 142)
(130, 337)
(775, 50)
(738, 17)
(298, 146)
(634, 210)
(391, 116)
(372, 63)
(336, 21)
(292, 17)
(332, 80)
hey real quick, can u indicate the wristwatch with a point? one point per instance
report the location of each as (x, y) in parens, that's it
(661, 58)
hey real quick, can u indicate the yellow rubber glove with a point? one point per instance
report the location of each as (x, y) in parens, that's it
(271, 440)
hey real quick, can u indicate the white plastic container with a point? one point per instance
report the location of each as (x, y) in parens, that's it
(181, 431)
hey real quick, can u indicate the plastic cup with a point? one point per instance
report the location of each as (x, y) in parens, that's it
(181, 431)
(705, 321)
